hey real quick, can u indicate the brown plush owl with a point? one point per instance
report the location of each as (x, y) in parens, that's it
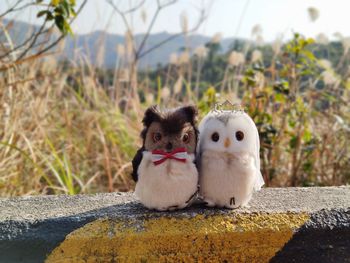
(163, 168)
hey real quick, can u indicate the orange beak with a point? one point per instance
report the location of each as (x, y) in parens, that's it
(227, 142)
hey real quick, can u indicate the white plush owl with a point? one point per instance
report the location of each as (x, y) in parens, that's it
(228, 155)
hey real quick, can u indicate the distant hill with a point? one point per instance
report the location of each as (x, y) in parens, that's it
(87, 45)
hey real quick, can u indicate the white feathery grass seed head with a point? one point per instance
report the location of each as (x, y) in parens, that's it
(322, 39)
(201, 51)
(236, 58)
(184, 57)
(324, 63)
(178, 85)
(256, 30)
(184, 22)
(276, 46)
(143, 15)
(216, 38)
(173, 59)
(129, 43)
(313, 13)
(256, 56)
(121, 50)
(329, 77)
(124, 75)
(338, 35)
(149, 98)
(165, 93)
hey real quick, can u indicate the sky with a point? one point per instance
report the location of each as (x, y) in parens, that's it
(231, 18)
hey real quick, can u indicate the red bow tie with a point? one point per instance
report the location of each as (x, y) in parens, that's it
(159, 156)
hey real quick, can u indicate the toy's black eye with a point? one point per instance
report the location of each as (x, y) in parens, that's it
(157, 136)
(215, 137)
(186, 138)
(239, 135)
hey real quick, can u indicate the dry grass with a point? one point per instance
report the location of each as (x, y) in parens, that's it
(59, 139)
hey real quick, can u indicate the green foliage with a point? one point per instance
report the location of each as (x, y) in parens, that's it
(59, 11)
(290, 132)
(208, 101)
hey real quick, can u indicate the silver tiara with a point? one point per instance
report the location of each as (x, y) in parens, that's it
(227, 106)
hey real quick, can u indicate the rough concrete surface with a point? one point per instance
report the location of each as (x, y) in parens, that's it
(319, 219)
(33, 208)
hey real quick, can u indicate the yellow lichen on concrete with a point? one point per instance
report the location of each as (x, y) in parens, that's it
(216, 238)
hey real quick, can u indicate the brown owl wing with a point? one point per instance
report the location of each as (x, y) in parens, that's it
(136, 162)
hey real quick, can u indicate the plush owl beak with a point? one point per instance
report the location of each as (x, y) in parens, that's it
(227, 142)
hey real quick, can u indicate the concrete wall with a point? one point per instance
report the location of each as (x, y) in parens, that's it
(282, 225)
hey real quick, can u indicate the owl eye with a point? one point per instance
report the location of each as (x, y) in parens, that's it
(157, 136)
(186, 138)
(215, 137)
(239, 135)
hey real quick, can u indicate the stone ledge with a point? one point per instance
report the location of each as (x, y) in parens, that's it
(281, 225)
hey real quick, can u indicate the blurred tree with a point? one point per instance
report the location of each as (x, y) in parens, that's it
(55, 13)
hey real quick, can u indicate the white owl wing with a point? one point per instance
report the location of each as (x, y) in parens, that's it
(259, 179)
